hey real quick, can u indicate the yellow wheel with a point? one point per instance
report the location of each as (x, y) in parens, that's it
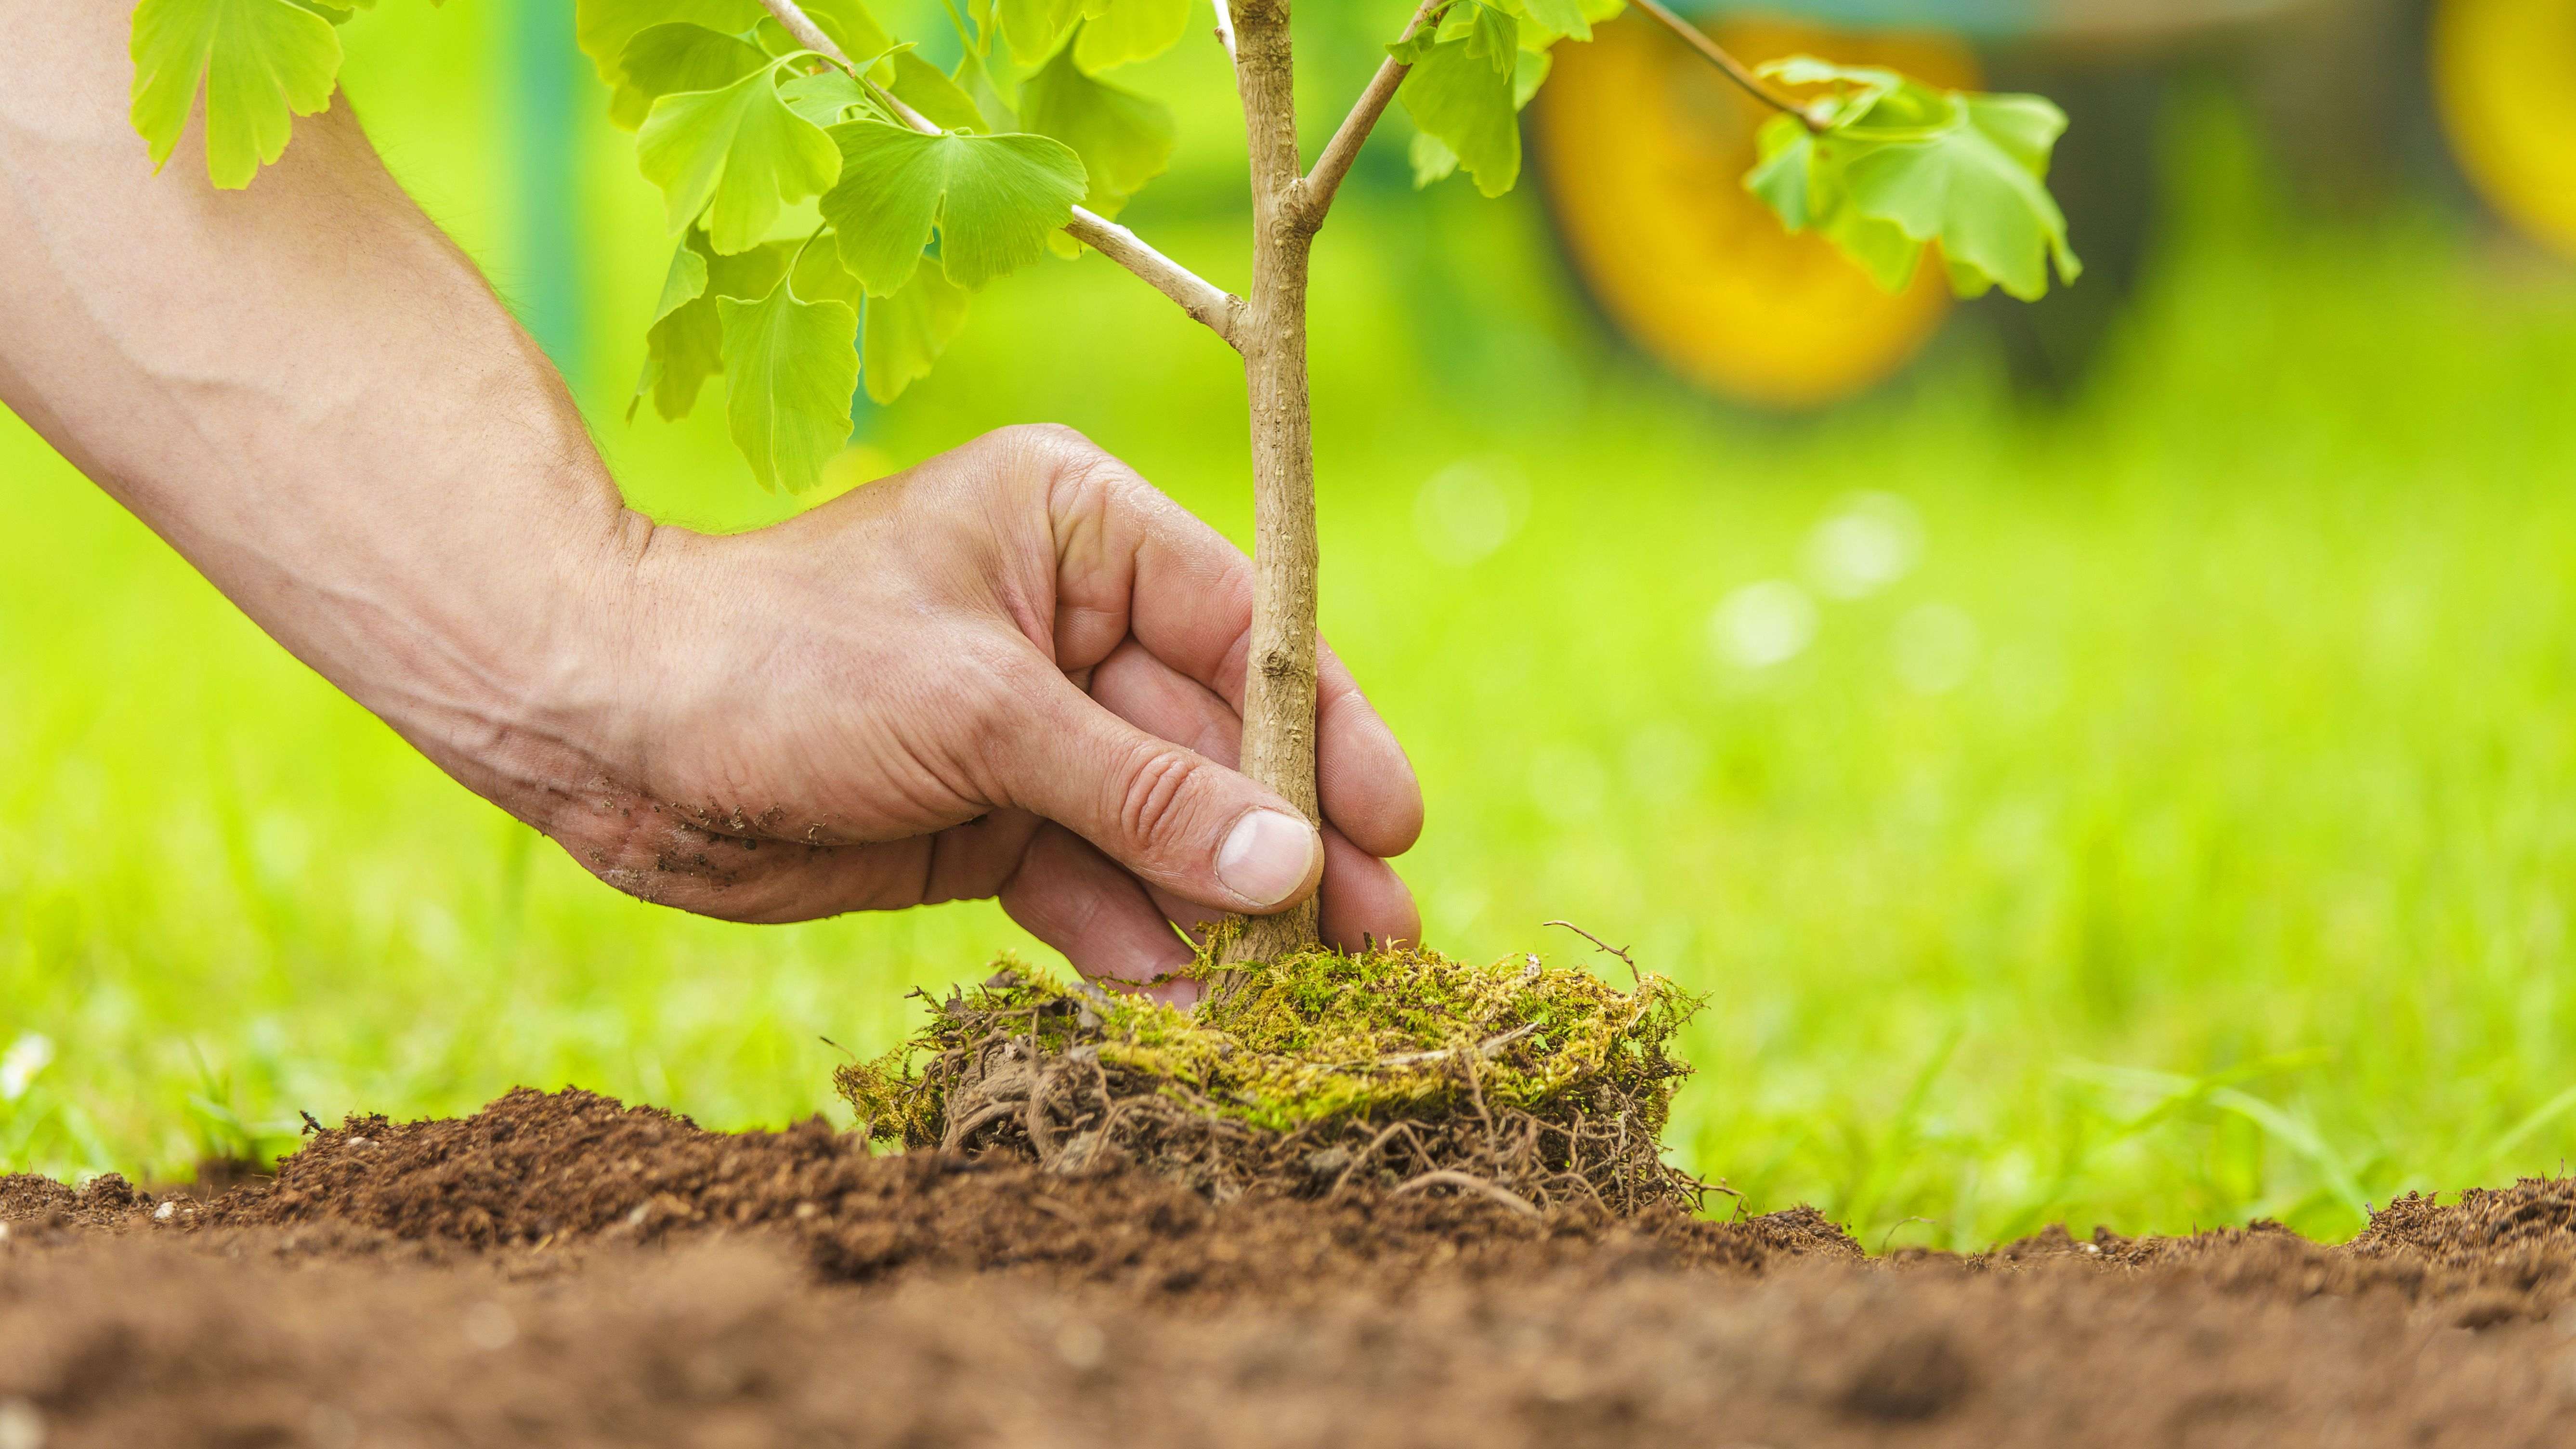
(2504, 78)
(1643, 149)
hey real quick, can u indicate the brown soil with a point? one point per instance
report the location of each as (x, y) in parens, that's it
(558, 1270)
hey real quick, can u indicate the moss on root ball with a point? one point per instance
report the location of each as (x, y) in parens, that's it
(1394, 1068)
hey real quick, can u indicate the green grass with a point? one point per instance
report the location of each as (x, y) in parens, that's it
(2224, 871)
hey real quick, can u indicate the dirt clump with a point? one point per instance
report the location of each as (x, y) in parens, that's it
(536, 1172)
(490, 1280)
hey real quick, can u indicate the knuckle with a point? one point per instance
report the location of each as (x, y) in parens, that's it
(1052, 448)
(1160, 793)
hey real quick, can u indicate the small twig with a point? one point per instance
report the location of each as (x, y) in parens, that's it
(1900, 1222)
(1618, 951)
(1485, 1048)
(312, 1124)
(1469, 1182)
(1206, 302)
(1225, 29)
(1735, 70)
(1344, 149)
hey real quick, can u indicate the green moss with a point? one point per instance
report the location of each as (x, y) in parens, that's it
(1315, 1038)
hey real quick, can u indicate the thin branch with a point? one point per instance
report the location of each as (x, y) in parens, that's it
(1225, 29)
(1203, 300)
(1344, 148)
(1736, 70)
(1617, 951)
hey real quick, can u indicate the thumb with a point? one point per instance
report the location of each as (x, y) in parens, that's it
(1170, 815)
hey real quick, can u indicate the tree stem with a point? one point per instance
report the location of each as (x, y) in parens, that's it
(1279, 687)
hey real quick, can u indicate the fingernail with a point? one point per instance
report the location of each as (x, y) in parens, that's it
(1267, 857)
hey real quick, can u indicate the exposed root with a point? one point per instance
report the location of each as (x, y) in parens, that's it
(1527, 1087)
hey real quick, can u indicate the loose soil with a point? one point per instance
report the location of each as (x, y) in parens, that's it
(561, 1270)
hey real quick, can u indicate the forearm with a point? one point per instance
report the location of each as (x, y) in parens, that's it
(253, 375)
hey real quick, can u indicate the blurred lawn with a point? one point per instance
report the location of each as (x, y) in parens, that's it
(2184, 833)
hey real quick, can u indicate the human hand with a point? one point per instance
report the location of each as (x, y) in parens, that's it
(1014, 670)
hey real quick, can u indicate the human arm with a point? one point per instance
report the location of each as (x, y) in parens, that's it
(313, 396)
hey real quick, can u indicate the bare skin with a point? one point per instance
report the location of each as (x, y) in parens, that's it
(1013, 671)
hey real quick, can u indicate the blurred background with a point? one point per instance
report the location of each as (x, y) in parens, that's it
(2113, 760)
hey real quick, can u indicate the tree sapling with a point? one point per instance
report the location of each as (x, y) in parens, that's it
(836, 199)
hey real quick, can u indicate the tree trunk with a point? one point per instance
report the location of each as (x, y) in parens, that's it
(1279, 687)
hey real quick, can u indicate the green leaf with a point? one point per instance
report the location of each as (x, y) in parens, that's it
(927, 89)
(734, 155)
(684, 346)
(1432, 159)
(791, 367)
(851, 26)
(825, 98)
(1900, 165)
(1784, 175)
(1566, 18)
(262, 63)
(1124, 139)
(907, 331)
(1465, 110)
(604, 28)
(992, 199)
(678, 56)
(1034, 28)
(1973, 187)
(1121, 32)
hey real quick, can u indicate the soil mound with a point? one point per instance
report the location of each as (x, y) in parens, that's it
(535, 1170)
(560, 1270)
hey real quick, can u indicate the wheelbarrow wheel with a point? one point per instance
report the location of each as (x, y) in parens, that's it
(1641, 149)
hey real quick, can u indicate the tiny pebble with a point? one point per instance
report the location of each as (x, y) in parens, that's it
(165, 1212)
(1081, 1345)
(21, 1427)
(488, 1326)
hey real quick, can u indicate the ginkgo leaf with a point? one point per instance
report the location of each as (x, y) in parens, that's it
(1034, 28)
(1468, 108)
(1898, 165)
(1565, 18)
(1122, 32)
(992, 199)
(1124, 139)
(791, 367)
(928, 89)
(678, 56)
(685, 344)
(604, 28)
(1972, 193)
(262, 63)
(825, 98)
(734, 155)
(905, 333)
